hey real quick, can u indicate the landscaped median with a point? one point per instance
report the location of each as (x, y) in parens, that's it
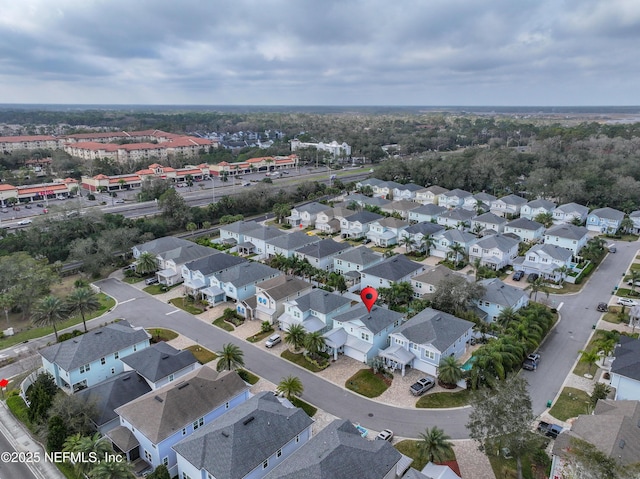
(301, 360)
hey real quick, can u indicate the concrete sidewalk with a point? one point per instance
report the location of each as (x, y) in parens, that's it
(22, 441)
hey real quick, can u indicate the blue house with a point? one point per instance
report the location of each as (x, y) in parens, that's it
(604, 220)
(153, 423)
(93, 357)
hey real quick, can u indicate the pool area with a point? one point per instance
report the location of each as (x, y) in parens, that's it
(469, 364)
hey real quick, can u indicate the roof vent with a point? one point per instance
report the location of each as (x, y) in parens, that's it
(127, 378)
(158, 398)
(98, 332)
(621, 443)
(225, 433)
(248, 420)
(182, 386)
(166, 356)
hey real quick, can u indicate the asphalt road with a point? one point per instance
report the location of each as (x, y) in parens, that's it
(14, 469)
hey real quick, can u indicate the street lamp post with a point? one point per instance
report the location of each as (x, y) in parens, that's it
(213, 189)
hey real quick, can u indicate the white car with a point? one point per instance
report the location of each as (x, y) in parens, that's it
(626, 302)
(24, 222)
(385, 435)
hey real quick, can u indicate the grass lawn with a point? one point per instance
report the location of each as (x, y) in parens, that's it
(159, 334)
(202, 354)
(106, 303)
(300, 360)
(507, 467)
(132, 279)
(627, 293)
(222, 324)
(259, 336)
(635, 265)
(613, 316)
(571, 403)
(582, 368)
(445, 399)
(366, 383)
(567, 288)
(248, 377)
(187, 306)
(409, 448)
(305, 406)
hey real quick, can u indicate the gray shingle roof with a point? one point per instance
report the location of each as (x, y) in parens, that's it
(365, 217)
(113, 393)
(402, 205)
(394, 268)
(434, 327)
(525, 224)
(323, 248)
(435, 275)
(214, 262)
(484, 197)
(283, 286)
(573, 208)
(240, 227)
(159, 245)
(372, 182)
(184, 254)
(513, 200)
(457, 192)
(457, 236)
(458, 214)
(321, 301)
(95, 344)
(377, 320)
(425, 229)
(501, 242)
(547, 205)
(556, 252)
(375, 201)
(436, 190)
(497, 292)
(159, 360)
(312, 208)
(410, 187)
(167, 410)
(360, 255)
(567, 231)
(392, 222)
(490, 218)
(627, 362)
(292, 241)
(608, 213)
(339, 452)
(265, 233)
(240, 440)
(247, 273)
(429, 210)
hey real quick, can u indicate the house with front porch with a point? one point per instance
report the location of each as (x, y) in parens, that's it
(234, 233)
(248, 441)
(426, 213)
(322, 253)
(375, 202)
(93, 357)
(421, 234)
(151, 424)
(386, 231)
(570, 213)
(271, 297)
(395, 269)
(422, 341)
(307, 214)
(357, 226)
(159, 245)
(426, 283)
(508, 206)
(482, 202)
(314, 311)
(625, 369)
(430, 195)
(197, 274)
(353, 261)
(385, 189)
(537, 207)
(361, 334)
(488, 222)
(456, 218)
(454, 198)
(238, 283)
(605, 220)
(567, 236)
(527, 230)
(401, 208)
(329, 221)
(255, 241)
(287, 245)
(406, 192)
(634, 216)
(545, 260)
(374, 183)
(499, 296)
(495, 251)
(170, 262)
(445, 240)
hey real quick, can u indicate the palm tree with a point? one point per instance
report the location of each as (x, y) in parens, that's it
(545, 218)
(6, 303)
(290, 386)
(456, 250)
(231, 358)
(314, 342)
(506, 316)
(449, 371)
(563, 270)
(635, 277)
(408, 243)
(50, 311)
(427, 243)
(87, 444)
(146, 263)
(83, 300)
(626, 224)
(536, 286)
(589, 357)
(295, 336)
(112, 470)
(434, 444)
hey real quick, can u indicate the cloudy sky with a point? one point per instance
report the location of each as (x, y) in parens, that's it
(321, 52)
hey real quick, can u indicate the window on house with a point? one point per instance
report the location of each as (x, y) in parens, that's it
(198, 423)
(116, 355)
(103, 361)
(165, 461)
(279, 453)
(147, 455)
(185, 475)
(226, 405)
(135, 347)
(298, 438)
(86, 367)
(113, 370)
(184, 431)
(171, 377)
(364, 336)
(265, 464)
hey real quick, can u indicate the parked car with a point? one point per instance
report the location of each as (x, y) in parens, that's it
(421, 386)
(39, 205)
(626, 302)
(531, 362)
(150, 281)
(630, 282)
(273, 340)
(612, 248)
(517, 276)
(24, 222)
(385, 435)
(602, 307)
(119, 201)
(532, 277)
(28, 207)
(548, 429)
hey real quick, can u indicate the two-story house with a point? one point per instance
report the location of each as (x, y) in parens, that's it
(197, 274)
(444, 242)
(422, 341)
(567, 236)
(357, 226)
(426, 283)
(92, 357)
(426, 213)
(495, 251)
(329, 221)
(238, 283)
(395, 269)
(287, 245)
(625, 369)
(255, 241)
(488, 223)
(537, 207)
(454, 198)
(159, 245)
(170, 262)
(406, 192)
(151, 424)
(248, 441)
(499, 296)
(546, 260)
(353, 261)
(508, 206)
(634, 216)
(456, 218)
(314, 311)
(386, 231)
(482, 202)
(422, 236)
(527, 230)
(570, 213)
(321, 254)
(361, 334)
(234, 233)
(271, 297)
(307, 214)
(605, 220)
(401, 208)
(430, 195)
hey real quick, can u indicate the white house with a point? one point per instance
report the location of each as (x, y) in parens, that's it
(454, 198)
(545, 260)
(570, 212)
(306, 215)
(430, 195)
(567, 236)
(314, 311)
(234, 233)
(395, 269)
(604, 220)
(525, 229)
(445, 240)
(456, 218)
(499, 296)
(421, 235)
(625, 369)
(386, 231)
(426, 283)
(255, 241)
(197, 274)
(329, 221)
(508, 206)
(238, 283)
(271, 296)
(400, 207)
(488, 222)
(426, 213)
(406, 192)
(635, 218)
(356, 259)
(170, 262)
(537, 207)
(287, 245)
(321, 254)
(357, 226)
(495, 251)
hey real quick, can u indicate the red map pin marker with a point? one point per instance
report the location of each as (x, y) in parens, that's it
(369, 296)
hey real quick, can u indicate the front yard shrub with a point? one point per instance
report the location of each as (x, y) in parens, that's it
(231, 316)
(248, 377)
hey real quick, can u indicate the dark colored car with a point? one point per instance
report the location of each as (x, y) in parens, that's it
(549, 430)
(532, 277)
(518, 275)
(602, 307)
